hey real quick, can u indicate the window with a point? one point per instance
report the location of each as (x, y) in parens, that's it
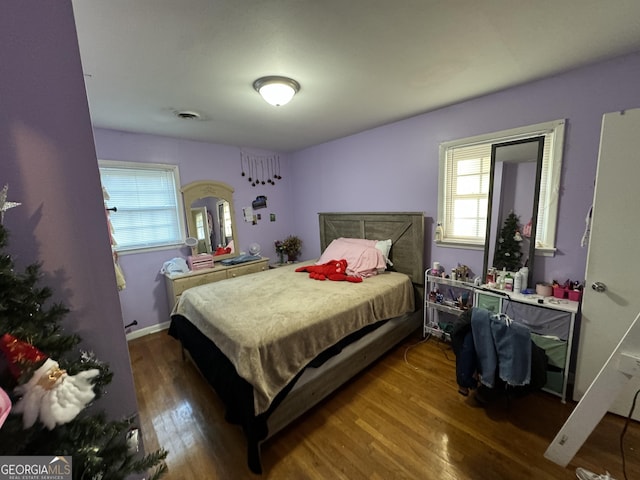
(149, 207)
(464, 185)
(467, 187)
(226, 218)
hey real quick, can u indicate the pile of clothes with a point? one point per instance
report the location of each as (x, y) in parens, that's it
(495, 354)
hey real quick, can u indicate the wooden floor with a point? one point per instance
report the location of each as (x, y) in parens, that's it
(401, 418)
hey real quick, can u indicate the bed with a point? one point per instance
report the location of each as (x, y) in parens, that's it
(275, 343)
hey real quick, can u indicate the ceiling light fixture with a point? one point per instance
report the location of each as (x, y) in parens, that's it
(276, 90)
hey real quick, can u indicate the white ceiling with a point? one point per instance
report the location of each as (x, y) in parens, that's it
(361, 63)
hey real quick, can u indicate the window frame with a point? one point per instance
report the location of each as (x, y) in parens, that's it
(174, 171)
(553, 172)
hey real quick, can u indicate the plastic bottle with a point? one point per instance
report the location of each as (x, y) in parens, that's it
(491, 277)
(501, 279)
(517, 282)
(508, 282)
(435, 271)
(438, 233)
(524, 271)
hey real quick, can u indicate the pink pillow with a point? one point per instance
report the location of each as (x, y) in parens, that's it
(362, 256)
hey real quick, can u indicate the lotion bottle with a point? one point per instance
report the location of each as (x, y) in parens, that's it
(508, 282)
(524, 271)
(437, 237)
(517, 282)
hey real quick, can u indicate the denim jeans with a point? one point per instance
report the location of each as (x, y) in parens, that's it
(466, 363)
(502, 346)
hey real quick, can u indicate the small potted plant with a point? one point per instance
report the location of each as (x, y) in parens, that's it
(291, 246)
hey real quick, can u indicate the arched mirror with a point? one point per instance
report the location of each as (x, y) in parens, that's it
(210, 217)
(514, 187)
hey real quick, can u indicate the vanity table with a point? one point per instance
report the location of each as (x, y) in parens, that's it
(551, 322)
(210, 221)
(176, 284)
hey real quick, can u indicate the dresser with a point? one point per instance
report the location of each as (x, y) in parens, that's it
(551, 322)
(176, 284)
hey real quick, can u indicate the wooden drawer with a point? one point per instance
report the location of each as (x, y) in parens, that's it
(181, 284)
(246, 269)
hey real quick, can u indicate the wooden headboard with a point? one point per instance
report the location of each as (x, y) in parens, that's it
(405, 229)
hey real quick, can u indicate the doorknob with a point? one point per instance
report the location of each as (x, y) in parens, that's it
(598, 287)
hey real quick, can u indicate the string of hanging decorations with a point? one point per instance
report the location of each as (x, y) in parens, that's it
(260, 169)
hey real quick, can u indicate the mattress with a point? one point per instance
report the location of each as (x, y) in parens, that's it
(272, 324)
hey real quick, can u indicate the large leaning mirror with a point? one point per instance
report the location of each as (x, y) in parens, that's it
(514, 187)
(210, 217)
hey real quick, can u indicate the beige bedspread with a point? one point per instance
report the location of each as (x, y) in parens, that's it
(272, 324)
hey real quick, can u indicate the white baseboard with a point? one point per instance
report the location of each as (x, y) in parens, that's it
(148, 330)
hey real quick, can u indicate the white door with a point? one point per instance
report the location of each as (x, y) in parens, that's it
(614, 253)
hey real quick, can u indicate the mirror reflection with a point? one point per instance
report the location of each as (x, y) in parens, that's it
(210, 217)
(514, 189)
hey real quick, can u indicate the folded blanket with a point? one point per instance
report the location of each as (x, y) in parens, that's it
(240, 259)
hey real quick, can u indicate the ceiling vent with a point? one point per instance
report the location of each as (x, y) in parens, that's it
(187, 115)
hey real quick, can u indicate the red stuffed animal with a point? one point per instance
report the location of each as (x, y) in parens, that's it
(333, 270)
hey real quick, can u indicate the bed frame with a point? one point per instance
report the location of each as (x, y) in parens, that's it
(406, 230)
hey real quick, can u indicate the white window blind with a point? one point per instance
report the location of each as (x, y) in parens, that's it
(545, 236)
(464, 185)
(149, 209)
(466, 192)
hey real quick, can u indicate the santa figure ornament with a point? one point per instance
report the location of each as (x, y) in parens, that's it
(51, 394)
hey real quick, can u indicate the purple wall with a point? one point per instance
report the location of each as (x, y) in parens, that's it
(390, 168)
(145, 299)
(395, 167)
(48, 159)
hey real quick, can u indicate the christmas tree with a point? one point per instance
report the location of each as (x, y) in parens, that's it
(46, 384)
(508, 253)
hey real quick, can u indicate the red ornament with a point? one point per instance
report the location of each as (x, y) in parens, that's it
(19, 353)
